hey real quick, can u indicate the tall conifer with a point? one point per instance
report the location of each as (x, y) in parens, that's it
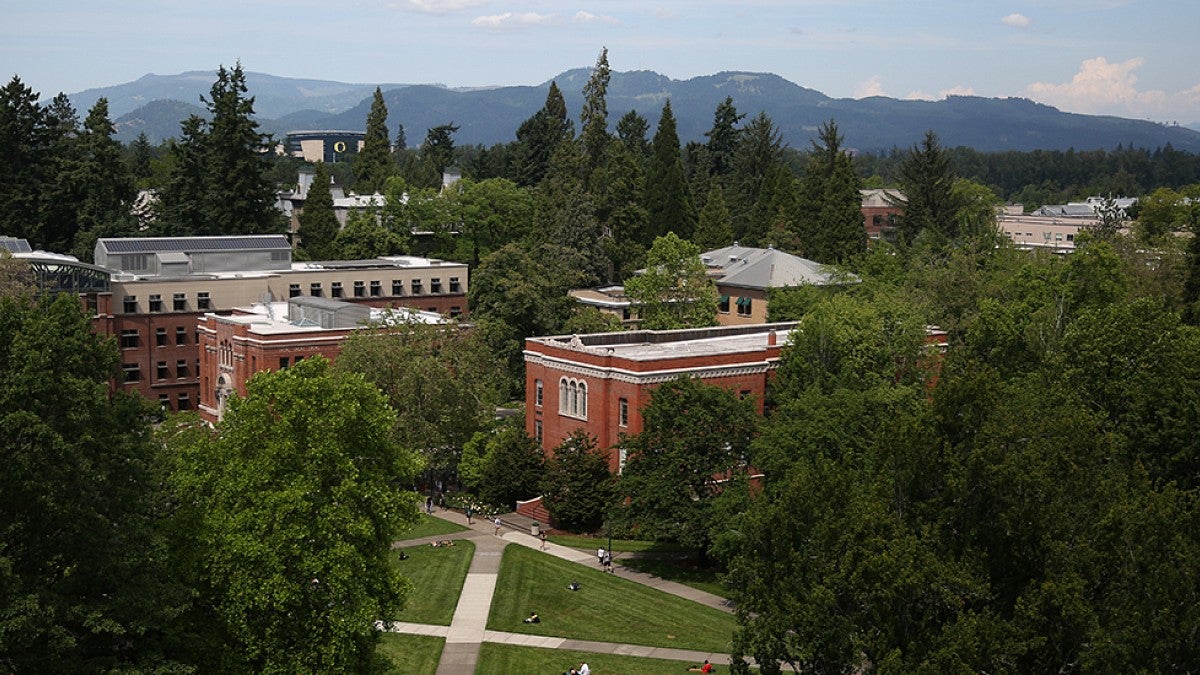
(668, 199)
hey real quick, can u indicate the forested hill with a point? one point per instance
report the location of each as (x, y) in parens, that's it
(491, 115)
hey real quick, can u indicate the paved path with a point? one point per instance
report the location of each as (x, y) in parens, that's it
(468, 629)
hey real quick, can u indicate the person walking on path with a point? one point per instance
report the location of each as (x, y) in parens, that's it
(606, 561)
(600, 556)
(469, 514)
(429, 505)
(543, 535)
(497, 524)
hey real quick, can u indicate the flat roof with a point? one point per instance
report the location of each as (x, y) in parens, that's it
(272, 318)
(647, 345)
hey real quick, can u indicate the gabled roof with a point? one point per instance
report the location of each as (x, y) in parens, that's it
(747, 267)
(254, 242)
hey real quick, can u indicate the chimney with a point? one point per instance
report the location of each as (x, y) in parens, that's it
(772, 339)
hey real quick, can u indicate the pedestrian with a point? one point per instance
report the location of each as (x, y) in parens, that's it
(600, 556)
(543, 535)
(469, 514)
(584, 669)
(607, 562)
(442, 500)
(429, 504)
(497, 524)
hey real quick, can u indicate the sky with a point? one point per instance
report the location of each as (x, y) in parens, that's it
(1115, 57)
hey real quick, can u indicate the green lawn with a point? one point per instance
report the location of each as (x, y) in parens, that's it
(501, 659)
(412, 654)
(437, 575)
(428, 526)
(618, 545)
(681, 571)
(607, 608)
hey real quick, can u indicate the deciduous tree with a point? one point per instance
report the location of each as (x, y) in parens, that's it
(674, 291)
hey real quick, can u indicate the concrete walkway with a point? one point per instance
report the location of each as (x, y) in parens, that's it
(468, 629)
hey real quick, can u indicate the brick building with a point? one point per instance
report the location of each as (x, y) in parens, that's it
(880, 216)
(600, 383)
(234, 346)
(160, 288)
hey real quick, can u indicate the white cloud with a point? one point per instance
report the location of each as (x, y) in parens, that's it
(871, 87)
(508, 19)
(438, 6)
(587, 17)
(1016, 20)
(957, 90)
(1102, 87)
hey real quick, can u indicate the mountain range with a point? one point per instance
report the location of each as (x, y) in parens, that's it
(156, 104)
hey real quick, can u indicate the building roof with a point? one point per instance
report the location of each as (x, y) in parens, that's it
(880, 197)
(762, 268)
(653, 345)
(15, 245)
(256, 242)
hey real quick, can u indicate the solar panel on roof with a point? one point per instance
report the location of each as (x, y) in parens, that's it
(195, 244)
(15, 245)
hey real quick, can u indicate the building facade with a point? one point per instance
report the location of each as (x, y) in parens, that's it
(161, 288)
(600, 383)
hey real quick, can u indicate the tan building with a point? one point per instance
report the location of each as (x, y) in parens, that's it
(744, 277)
(161, 287)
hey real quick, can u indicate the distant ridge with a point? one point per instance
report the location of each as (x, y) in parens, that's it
(489, 115)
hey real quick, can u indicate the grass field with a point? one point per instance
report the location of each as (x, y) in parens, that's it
(607, 608)
(428, 526)
(682, 571)
(437, 575)
(412, 654)
(618, 545)
(501, 659)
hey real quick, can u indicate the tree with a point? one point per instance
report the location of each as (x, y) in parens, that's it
(715, 228)
(668, 200)
(927, 184)
(829, 215)
(593, 119)
(694, 436)
(140, 159)
(674, 291)
(183, 203)
(492, 213)
(757, 163)
(23, 138)
(539, 136)
(294, 504)
(374, 164)
(441, 381)
(631, 130)
(438, 149)
(104, 210)
(723, 138)
(510, 464)
(318, 224)
(577, 488)
(364, 237)
(616, 189)
(85, 583)
(565, 212)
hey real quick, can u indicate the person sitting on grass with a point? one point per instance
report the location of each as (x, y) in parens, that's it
(438, 543)
(706, 668)
(533, 618)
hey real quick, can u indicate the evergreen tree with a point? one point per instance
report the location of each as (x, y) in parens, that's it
(108, 185)
(318, 224)
(23, 139)
(828, 216)
(632, 129)
(715, 228)
(565, 213)
(668, 199)
(373, 165)
(437, 152)
(723, 138)
(758, 157)
(593, 119)
(617, 191)
(927, 183)
(401, 139)
(239, 199)
(141, 154)
(61, 190)
(539, 136)
(578, 487)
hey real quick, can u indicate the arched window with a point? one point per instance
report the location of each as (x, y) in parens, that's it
(582, 409)
(564, 397)
(572, 398)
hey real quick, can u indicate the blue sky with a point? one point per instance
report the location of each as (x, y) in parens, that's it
(1123, 57)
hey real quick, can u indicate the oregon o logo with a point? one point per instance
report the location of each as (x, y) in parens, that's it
(340, 146)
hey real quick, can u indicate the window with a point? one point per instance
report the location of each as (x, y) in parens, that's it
(180, 335)
(136, 262)
(1070, 237)
(131, 304)
(623, 412)
(455, 312)
(743, 305)
(376, 288)
(416, 286)
(622, 456)
(335, 289)
(181, 369)
(397, 287)
(130, 339)
(164, 400)
(283, 362)
(179, 302)
(293, 290)
(455, 287)
(315, 289)
(203, 301)
(435, 285)
(537, 431)
(537, 396)
(132, 372)
(572, 398)
(160, 337)
(185, 403)
(156, 303)
(723, 307)
(360, 289)
(163, 372)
